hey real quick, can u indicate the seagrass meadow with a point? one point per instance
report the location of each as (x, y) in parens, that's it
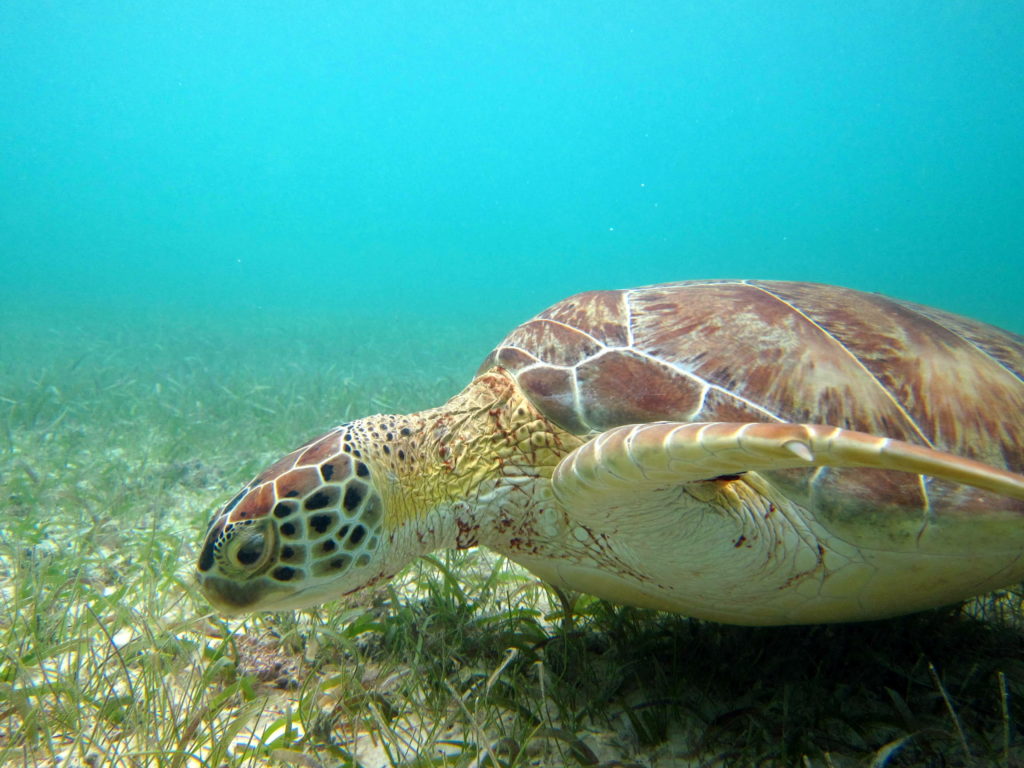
(119, 439)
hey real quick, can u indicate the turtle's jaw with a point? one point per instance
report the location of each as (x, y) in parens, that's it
(287, 575)
(233, 598)
(230, 597)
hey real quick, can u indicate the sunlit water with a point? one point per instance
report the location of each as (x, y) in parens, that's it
(448, 169)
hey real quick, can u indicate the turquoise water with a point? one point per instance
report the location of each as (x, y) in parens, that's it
(470, 163)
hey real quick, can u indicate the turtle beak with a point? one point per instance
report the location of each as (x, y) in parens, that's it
(232, 598)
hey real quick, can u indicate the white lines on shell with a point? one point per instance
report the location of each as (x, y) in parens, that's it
(571, 328)
(857, 361)
(966, 340)
(708, 385)
(541, 364)
(626, 296)
(702, 401)
(577, 401)
(574, 384)
(520, 349)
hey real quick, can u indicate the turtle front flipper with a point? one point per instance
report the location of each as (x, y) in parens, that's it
(620, 465)
(714, 520)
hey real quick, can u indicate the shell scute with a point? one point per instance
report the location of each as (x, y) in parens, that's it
(782, 351)
(747, 341)
(551, 389)
(509, 357)
(728, 407)
(623, 387)
(1002, 346)
(603, 314)
(553, 343)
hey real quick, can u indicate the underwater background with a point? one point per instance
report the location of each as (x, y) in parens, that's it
(227, 226)
(461, 165)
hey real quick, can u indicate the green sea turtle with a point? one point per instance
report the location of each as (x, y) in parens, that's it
(742, 451)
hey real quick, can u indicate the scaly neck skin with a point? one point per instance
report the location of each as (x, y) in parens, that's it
(474, 471)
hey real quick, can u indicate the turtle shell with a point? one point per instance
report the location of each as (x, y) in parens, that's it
(774, 351)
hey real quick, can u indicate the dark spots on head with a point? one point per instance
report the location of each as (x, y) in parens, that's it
(343, 532)
(283, 573)
(328, 546)
(406, 431)
(389, 436)
(387, 449)
(206, 556)
(362, 470)
(320, 523)
(354, 495)
(357, 454)
(327, 497)
(289, 529)
(292, 494)
(294, 554)
(288, 552)
(346, 448)
(318, 500)
(330, 567)
(401, 455)
(283, 509)
(327, 471)
(357, 535)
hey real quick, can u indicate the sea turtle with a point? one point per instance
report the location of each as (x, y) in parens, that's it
(743, 451)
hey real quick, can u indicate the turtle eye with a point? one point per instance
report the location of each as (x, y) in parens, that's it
(248, 550)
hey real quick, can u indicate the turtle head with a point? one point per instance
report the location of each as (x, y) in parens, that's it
(306, 530)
